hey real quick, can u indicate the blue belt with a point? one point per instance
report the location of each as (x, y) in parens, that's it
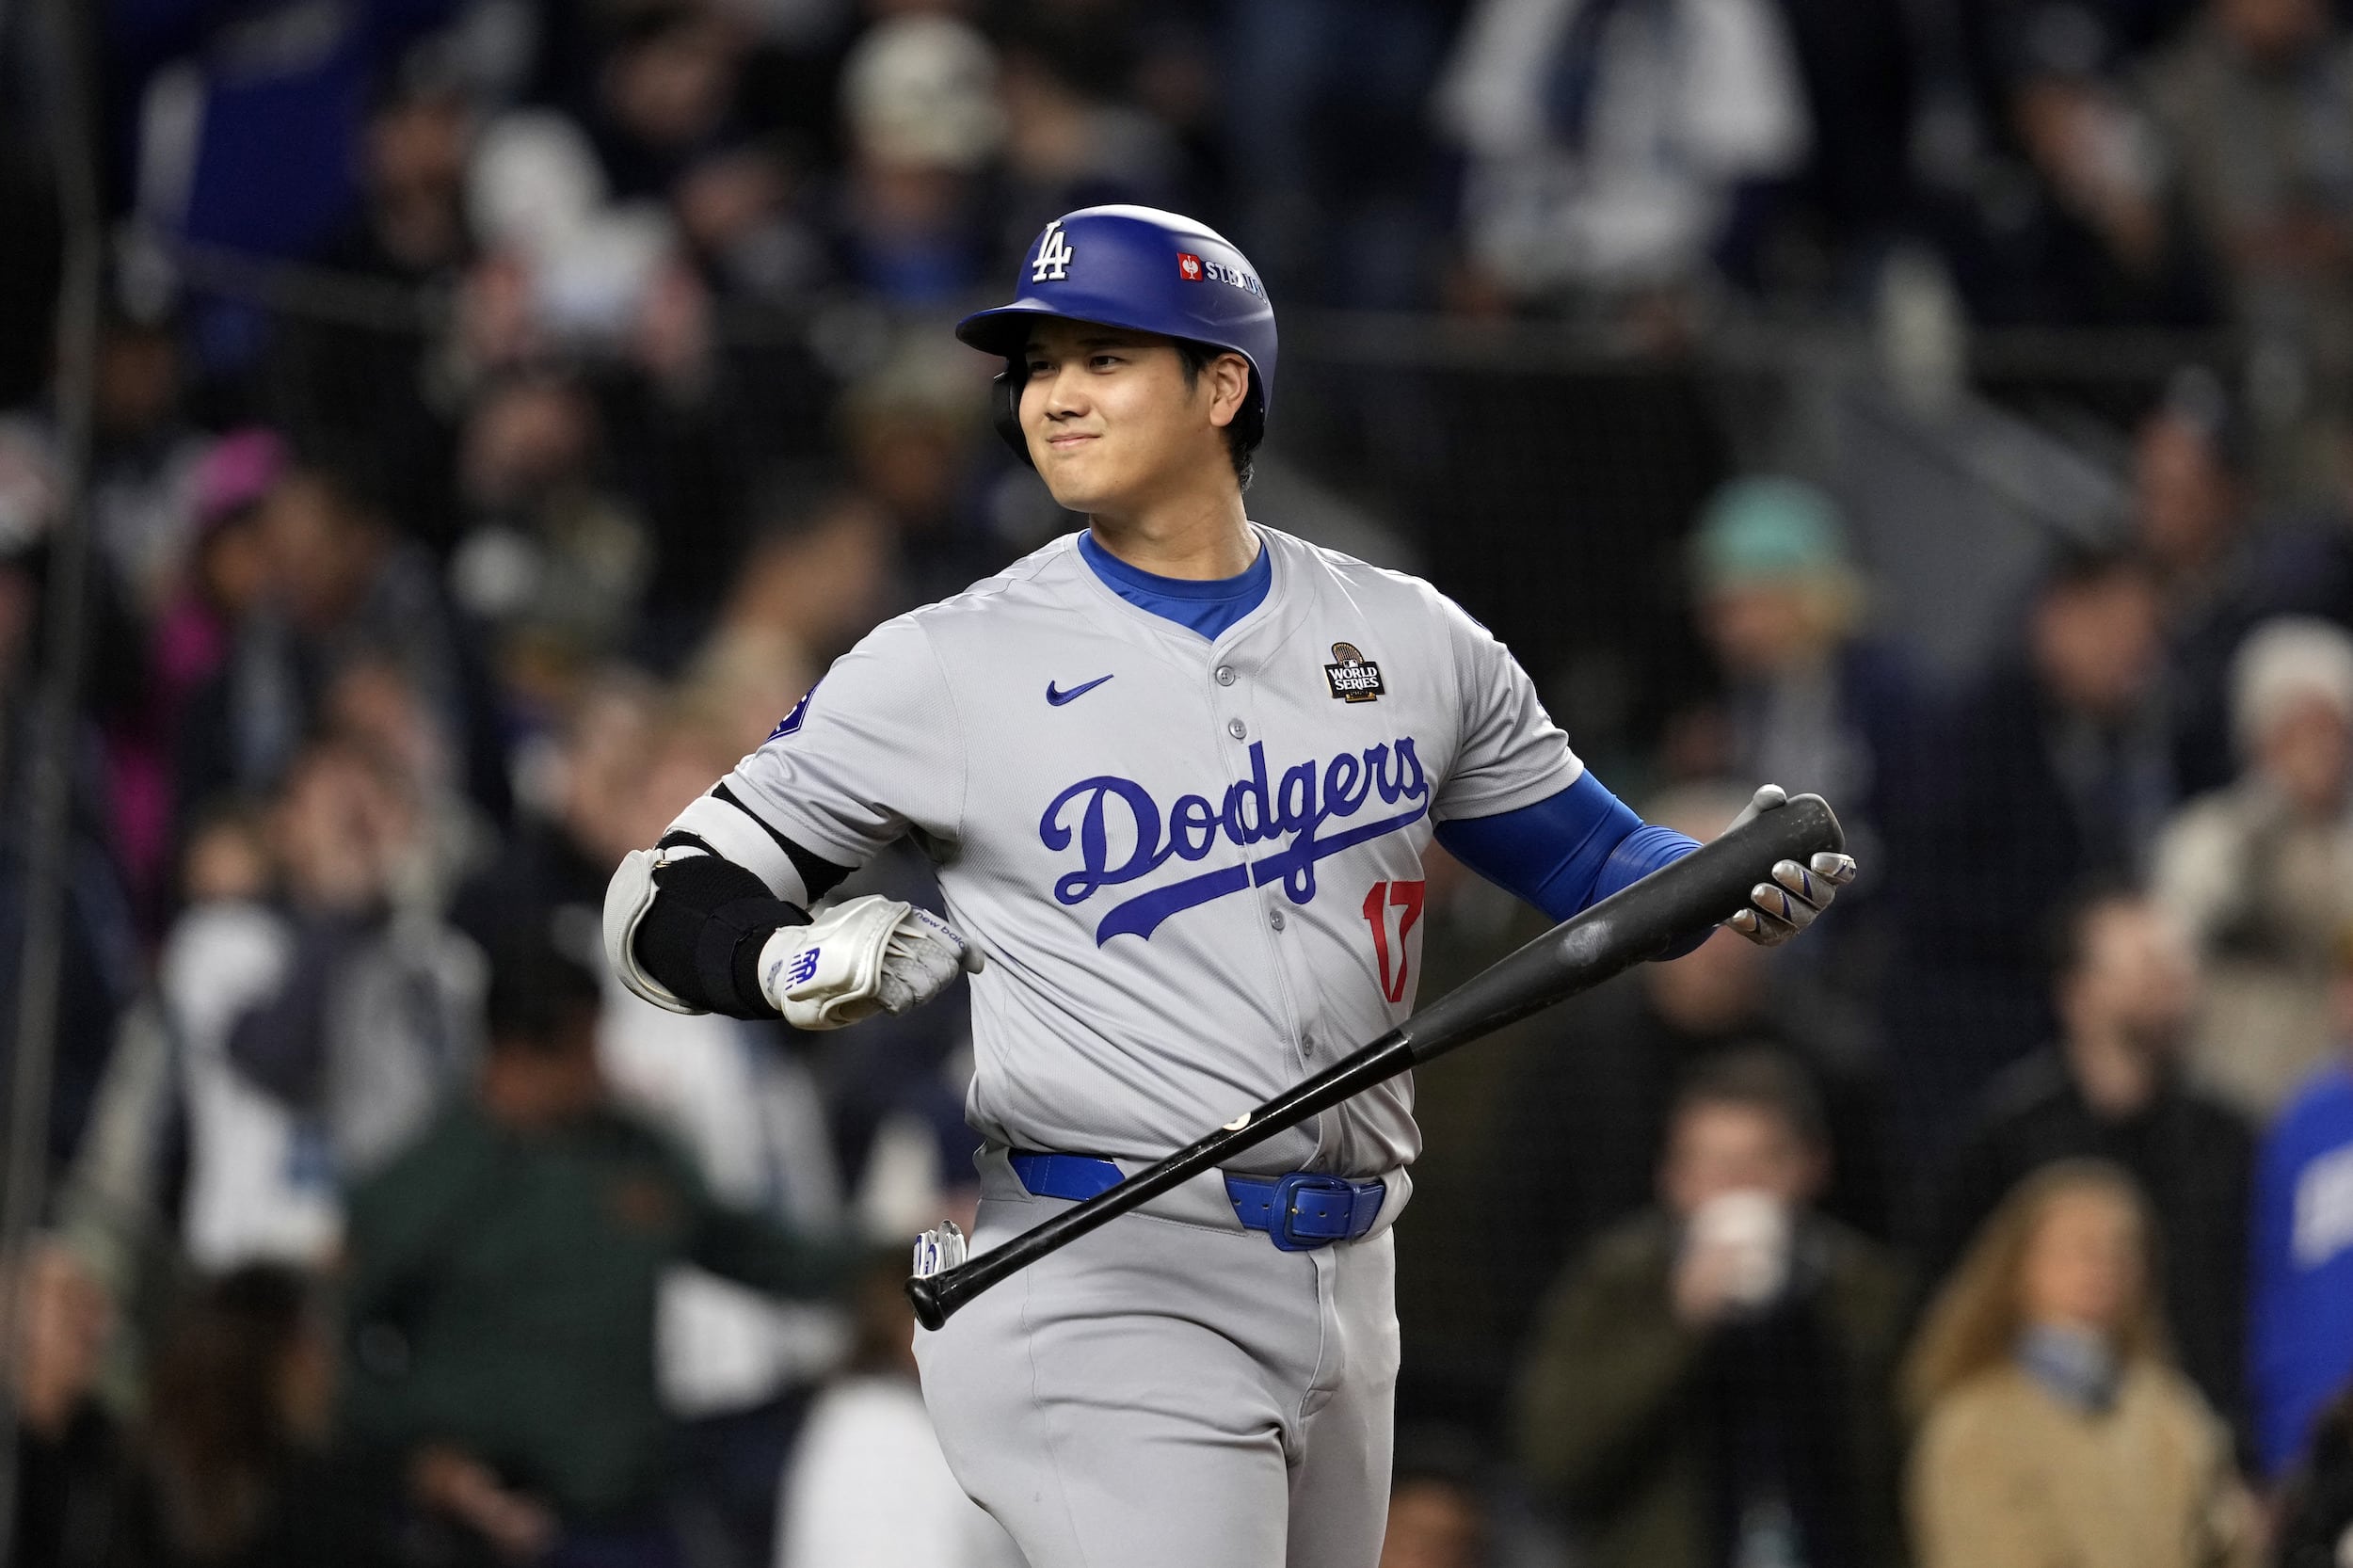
(1299, 1212)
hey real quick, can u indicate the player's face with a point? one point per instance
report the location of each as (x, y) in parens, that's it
(1112, 422)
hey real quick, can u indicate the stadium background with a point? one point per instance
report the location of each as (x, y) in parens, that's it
(483, 418)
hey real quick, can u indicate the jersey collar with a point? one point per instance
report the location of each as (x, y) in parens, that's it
(1181, 644)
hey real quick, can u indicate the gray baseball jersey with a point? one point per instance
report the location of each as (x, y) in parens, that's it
(1196, 867)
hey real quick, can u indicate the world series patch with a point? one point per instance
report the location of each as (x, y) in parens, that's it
(1353, 676)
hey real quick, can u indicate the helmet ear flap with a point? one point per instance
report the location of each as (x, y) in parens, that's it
(1004, 409)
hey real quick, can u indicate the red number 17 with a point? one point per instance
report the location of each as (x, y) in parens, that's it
(1405, 897)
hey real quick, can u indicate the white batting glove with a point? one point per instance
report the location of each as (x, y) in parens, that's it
(1781, 909)
(939, 1250)
(864, 956)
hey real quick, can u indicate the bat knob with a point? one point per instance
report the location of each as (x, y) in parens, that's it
(930, 1310)
(1816, 809)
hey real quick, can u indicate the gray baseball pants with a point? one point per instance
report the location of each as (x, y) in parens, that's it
(1172, 1391)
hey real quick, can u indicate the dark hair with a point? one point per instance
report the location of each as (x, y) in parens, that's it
(1758, 1077)
(2195, 395)
(431, 73)
(2067, 934)
(2078, 564)
(2318, 1497)
(645, 25)
(217, 1430)
(1240, 445)
(539, 992)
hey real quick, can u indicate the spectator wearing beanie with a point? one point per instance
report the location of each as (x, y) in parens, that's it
(2262, 872)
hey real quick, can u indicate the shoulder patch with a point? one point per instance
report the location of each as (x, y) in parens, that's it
(1353, 676)
(791, 723)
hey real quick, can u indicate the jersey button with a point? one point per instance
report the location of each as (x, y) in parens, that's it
(1237, 729)
(1226, 675)
(1275, 920)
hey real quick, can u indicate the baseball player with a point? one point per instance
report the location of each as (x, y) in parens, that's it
(1179, 771)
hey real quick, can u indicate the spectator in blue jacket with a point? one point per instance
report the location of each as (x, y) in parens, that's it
(2301, 1328)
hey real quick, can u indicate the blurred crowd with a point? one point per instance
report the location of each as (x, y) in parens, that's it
(643, 176)
(506, 408)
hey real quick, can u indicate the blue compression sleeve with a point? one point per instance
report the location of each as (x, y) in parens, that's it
(1567, 851)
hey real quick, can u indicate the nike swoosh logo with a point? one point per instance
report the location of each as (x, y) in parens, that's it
(1058, 698)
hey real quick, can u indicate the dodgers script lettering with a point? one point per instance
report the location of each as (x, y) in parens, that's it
(1297, 805)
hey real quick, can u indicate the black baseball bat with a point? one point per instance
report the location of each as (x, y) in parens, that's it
(1671, 905)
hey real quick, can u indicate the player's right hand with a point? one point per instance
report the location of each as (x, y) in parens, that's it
(1779, 909)
(864, 956)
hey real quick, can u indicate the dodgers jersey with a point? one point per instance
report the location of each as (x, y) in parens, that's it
(1194, 867)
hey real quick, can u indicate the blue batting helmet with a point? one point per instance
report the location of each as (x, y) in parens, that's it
(1144, 269)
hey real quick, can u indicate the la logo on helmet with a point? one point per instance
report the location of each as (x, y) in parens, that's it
(1053, 255)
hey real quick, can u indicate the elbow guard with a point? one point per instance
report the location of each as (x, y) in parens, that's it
(628, 899)
(684, 921)
(684, 929)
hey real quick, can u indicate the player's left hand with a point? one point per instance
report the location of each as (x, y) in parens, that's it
(863, 957)
(1781, 909)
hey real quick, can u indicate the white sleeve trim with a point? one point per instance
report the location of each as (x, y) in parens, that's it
(735, 836)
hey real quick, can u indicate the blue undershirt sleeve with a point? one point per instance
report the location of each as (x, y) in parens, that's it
(1568, 851)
